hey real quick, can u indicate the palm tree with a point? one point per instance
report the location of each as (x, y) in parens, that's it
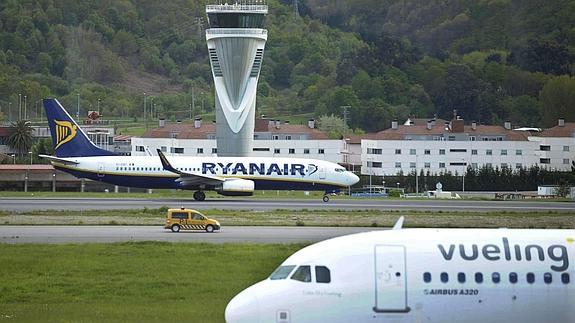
(20, 138)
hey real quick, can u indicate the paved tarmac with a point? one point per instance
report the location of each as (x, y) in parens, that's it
(85, 234)
(30, 204)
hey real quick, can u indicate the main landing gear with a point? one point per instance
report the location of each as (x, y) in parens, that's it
(199, 196)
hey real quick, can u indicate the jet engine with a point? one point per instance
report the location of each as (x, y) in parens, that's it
(236, 187)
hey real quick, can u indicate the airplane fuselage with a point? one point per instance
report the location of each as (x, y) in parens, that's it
(266, 173)
(420, 275)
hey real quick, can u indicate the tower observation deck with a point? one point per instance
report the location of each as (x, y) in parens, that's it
(236, 40)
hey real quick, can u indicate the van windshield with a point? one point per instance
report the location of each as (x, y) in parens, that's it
(281, 272)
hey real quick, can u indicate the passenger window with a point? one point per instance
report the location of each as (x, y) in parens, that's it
(322, 274)
(479, 278)
(198, 216)
(496, 278)
(281, 272)
(513, 278)
(427, 277)
(530, 278)
(547, 278)
(444, 277)
(461, 277)
(302, 274)
(565, 278)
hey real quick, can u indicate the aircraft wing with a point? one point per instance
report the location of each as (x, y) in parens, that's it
(58, 159)
(188, 179)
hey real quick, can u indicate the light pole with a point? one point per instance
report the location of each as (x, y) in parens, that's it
(99, 106)
(416, 178)
(25, 110)
(19, 106)
(369, 165)
(13, 158)
(30, 153)
(10, 111)
(78, 111)
(145, 111)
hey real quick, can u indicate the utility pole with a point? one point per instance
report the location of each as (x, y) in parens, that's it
(295, 9)
(346, 114)
(193, 104)
(78, 112)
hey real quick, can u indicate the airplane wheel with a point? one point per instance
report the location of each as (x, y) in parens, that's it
(209, 228)
(326, 198)
(199, 196)
(175, 228)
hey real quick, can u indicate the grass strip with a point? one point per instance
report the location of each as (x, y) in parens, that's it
(129, 282)
(305, 217)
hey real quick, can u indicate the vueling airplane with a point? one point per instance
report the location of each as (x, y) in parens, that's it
(230, 176)
(420, 275)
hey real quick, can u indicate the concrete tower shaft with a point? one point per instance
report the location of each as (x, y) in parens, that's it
(236, 41)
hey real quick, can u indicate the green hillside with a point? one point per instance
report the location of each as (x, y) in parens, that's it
(491, 60)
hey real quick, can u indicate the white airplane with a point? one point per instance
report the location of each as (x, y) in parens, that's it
(231, 176)
(420, 275)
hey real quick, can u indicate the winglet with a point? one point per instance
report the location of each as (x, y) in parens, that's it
(166, 164)
(399, 224)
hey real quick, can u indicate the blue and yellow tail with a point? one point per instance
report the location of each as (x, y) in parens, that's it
(67, 137)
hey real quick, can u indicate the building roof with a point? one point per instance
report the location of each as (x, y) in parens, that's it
(441, 129)
(568, 130)
(188, 131)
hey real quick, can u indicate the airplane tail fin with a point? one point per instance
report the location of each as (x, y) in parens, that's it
(67, 137)
(166, 164)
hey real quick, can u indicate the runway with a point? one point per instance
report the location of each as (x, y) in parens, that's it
(105, 234)
(32, 204)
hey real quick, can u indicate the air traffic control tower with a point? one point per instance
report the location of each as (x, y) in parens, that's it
(236, 40)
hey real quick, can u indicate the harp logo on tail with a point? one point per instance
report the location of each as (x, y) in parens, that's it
(65, 131)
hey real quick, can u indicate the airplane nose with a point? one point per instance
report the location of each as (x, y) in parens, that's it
(353, 178)
(243, 308)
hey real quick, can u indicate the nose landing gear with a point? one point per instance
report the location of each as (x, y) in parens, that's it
(325, 198)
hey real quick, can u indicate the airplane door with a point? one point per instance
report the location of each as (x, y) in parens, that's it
(390, 279)
(321, 172)
(101, 169)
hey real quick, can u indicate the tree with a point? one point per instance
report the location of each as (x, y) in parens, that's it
(20, 138)
(557, 100)
(334, 126)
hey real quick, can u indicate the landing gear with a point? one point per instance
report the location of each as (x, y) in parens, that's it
(199, 196)
(325, 198)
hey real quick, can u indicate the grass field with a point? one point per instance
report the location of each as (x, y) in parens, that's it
(129, 282)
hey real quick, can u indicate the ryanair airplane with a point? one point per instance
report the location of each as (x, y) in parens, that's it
(230, 176)
(420, 275)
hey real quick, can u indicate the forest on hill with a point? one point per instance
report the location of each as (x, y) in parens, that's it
(492, 60)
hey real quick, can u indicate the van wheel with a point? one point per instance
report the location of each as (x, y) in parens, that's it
(175, 228)
(209, 228)
(325, 198)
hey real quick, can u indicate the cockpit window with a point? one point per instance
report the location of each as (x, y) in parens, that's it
(302, 274)
(281, 272)
(322, 274)
(340, 170)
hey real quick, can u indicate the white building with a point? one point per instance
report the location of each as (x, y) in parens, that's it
(434, 146)
(439, 147)
(271, 139)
